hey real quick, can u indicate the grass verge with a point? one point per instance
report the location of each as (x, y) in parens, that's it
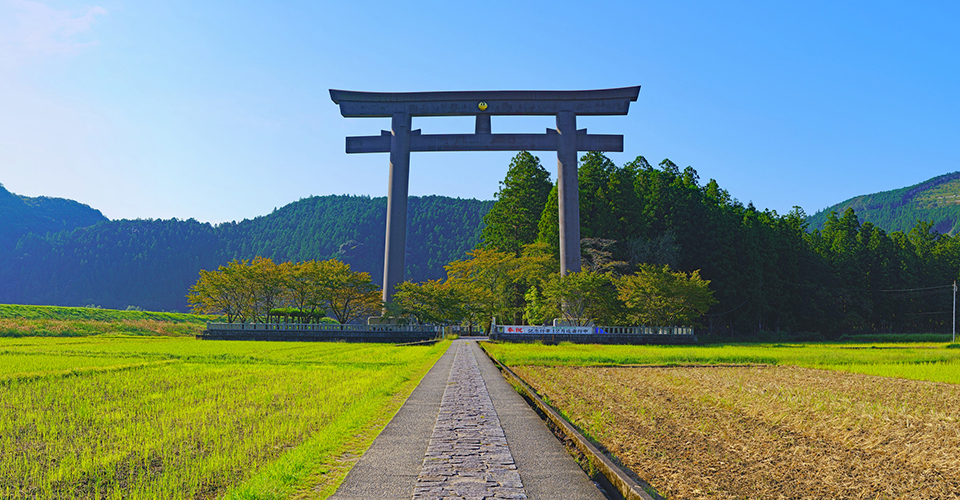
(54, 321)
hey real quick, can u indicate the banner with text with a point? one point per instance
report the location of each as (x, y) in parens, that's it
(580, 330)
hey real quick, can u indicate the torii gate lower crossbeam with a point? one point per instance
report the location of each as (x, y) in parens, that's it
(400, 141)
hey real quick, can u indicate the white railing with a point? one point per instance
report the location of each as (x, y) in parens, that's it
(321, 327)
(593, 330)
(645, 330)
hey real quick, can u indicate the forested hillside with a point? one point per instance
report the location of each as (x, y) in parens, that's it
(20, 215)
(152, 263)
(767, 272)
(936, 200)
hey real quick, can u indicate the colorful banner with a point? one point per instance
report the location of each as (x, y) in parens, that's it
(540, 330)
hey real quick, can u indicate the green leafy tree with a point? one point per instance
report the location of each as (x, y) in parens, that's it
(534, 266)
(539, 310)
(581, 298)
(227, 291)
(350, 295)
(486, 277)
(548, 229)
(657, 296)
(434, 301)
(597, 209)
(211, 295)
(513, 220)
(306, 283)
(267, 283)
(251, 291)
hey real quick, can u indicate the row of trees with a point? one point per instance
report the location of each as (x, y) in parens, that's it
(660, 248)
(526, 288)
(489, 284)
(253, 290)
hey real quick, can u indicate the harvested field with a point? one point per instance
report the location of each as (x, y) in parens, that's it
(766, 431)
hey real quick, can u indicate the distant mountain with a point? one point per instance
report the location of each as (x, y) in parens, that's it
(152, 263)
(936, 200)
(21, 215)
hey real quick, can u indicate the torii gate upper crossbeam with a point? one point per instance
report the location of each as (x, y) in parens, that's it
(566, 140)
(500, 102)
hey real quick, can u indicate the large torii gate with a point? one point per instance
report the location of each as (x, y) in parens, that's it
(400, 141)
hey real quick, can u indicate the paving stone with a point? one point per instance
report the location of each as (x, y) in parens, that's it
(468, 456)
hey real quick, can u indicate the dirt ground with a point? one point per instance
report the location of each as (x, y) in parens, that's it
(766, 432)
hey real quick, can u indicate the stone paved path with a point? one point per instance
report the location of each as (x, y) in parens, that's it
(468, 456)
(481, 465)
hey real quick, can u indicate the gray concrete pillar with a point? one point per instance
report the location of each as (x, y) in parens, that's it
(568, 190)
(393, 254)
(483, 124)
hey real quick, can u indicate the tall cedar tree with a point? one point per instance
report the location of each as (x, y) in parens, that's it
(513, 220)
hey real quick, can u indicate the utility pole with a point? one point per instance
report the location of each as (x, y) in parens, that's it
(954, 311)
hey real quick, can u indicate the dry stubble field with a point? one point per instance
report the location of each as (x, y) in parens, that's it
(766, 431)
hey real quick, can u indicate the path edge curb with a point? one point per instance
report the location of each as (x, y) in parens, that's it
(627, 486)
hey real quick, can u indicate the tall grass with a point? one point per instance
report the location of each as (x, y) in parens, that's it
(180, 418)
(54, 321)
(94, 314)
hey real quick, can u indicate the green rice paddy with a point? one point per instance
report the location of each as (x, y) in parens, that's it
(919, 361)
(159, 417)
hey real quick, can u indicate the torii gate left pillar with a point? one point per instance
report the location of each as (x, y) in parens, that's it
(400, 141)
(397, 189)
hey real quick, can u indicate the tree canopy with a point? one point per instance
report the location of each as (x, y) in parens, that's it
(253, 290)
(513, 220)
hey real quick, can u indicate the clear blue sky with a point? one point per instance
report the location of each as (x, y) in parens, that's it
(219, 110)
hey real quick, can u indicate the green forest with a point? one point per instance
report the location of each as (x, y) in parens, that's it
(20, 215)
(768, 272)
(151, 264)
(815, 277)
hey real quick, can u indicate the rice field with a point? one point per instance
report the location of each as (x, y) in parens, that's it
(920, 361)
(799, 421)
(153, 417)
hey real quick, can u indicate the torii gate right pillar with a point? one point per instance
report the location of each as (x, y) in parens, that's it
(568, 193)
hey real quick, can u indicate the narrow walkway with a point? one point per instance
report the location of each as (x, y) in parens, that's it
(466, 433)
(468, 454)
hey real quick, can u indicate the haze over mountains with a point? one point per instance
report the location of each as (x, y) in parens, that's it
(61, 252)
